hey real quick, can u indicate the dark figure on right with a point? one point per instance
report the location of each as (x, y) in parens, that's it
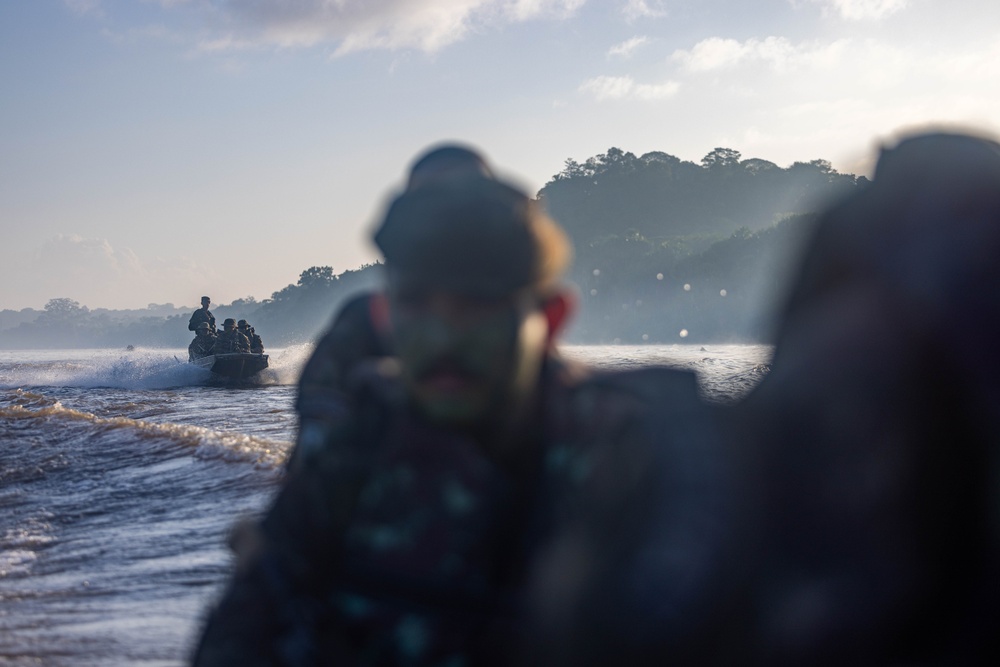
(878, 427)
(203, 314)
(231, 340)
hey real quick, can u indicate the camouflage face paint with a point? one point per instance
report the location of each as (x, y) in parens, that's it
(466, 360)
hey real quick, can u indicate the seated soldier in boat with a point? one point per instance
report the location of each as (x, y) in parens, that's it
(231, 340)
(256, 343)
(203, 343)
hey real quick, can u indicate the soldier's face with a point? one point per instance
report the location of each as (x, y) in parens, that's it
(466, 361)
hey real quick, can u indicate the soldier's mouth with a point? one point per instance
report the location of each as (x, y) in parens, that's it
(447, 378)
(447, 383)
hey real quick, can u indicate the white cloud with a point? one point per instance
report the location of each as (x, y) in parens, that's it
(627, 48)
(357, 25)
(711, 53)
(862, 10)
(638, 9)
(523, 10)
(655, 91)
(717, 53)
(624, 87)
(608, 87)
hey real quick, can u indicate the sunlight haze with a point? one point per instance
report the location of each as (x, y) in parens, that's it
(152, 151)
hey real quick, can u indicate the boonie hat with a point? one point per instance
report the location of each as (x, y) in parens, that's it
(474, 236)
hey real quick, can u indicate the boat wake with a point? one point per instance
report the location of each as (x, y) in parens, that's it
(149, 368)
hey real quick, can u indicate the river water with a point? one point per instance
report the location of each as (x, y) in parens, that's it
(122, 472)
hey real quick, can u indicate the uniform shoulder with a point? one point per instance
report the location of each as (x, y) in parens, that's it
(657, 384)
(629, 407)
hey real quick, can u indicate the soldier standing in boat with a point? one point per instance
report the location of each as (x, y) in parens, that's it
(203, 314)
(203, 343)
(231, 340)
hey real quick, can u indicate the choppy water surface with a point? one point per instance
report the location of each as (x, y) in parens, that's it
(121, 473)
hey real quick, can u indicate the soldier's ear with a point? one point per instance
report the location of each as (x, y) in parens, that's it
(378, 311)
(558, 308)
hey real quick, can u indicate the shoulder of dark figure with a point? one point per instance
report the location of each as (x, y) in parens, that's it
(350, 339)
(649, 383)
(661, 388)
(352, 332)
(357, 407)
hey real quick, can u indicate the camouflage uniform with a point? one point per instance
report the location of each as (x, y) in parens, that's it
(231, 341)
(202, 346)
(256, 342)
(399, 544)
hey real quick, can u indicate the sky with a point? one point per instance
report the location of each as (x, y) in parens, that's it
(152, 151)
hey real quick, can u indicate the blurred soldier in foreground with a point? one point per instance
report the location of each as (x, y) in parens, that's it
(201, 315)
(256, 344)
(231, 340)
(352, 338)
(203, 343)
(482, 501)
(878, 427)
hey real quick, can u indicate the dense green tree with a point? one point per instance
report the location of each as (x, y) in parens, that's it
(63, 311)
(317, 277)
(664, 197)
(721, 158)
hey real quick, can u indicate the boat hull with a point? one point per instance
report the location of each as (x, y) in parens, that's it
(234, 365)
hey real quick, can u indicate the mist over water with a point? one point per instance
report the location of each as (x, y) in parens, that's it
(123, 472)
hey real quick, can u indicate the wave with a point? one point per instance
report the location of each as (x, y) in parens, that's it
(112, 536)
(25, 409)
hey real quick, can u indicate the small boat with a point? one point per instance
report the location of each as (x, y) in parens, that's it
(233, 365)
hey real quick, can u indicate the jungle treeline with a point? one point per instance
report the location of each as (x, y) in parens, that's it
(667, 251)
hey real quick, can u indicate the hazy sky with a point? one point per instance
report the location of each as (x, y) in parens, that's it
(155, 150)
